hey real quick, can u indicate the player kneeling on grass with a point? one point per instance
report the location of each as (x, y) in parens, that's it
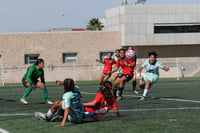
(71, 104)
(102, 103)
(152, 66)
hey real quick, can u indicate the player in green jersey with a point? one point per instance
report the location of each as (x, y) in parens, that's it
(152, 66)
(30, 81)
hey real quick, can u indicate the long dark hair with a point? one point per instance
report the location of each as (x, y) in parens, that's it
(68, 84)
(40, 60)
(106, 89)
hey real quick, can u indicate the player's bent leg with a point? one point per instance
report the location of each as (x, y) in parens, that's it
(101, 79)
(141, 85)
(106, 78)
(146, 90)
(121, 87)
(44, 91)
(116, 82)
(56, 105)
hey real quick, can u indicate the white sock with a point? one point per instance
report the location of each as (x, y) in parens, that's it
(145, 92)
(49, 113)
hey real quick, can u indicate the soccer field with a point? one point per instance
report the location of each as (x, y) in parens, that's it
(172, 107)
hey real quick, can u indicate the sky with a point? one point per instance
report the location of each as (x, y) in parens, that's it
(41, 15)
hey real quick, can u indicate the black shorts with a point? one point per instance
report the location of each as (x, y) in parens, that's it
(128, 76)
(24, 82)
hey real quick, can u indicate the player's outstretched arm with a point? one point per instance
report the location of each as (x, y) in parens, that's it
(66, 113)
(100, 61)
(165, 68)
(140, 70)
(90, 104)
(58, 82)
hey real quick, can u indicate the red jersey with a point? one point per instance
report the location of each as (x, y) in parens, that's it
(108, 65)
(123, 62)
(103, 103)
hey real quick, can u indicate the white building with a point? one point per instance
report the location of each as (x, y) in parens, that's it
(152, 25)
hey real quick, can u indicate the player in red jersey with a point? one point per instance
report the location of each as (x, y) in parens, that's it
(134, 73)
(103, 102)
(126, 75)
(107, 67)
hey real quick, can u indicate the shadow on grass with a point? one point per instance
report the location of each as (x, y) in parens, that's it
(8, 100)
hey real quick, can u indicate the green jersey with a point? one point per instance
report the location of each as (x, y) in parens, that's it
(152, 69)
(33, 74)
(73, 101)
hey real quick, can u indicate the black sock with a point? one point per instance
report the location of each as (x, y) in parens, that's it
(115, 93)
(121, 90)
(134, 85)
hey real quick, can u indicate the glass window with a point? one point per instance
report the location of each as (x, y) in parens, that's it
(103, 55)
(177, 28)
(69, 57)
(30, 58)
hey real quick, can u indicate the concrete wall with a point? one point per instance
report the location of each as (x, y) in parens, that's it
(136, 23)
(50, 46)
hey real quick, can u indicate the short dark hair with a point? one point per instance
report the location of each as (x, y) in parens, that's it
(116, 50)
(68, 84)
(40, 60)
(153, 53)
(122, 49)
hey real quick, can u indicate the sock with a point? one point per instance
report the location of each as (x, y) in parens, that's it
(45, 93)
(49, 114)
(134, 85)
(88, 114)
(145, 92)
(27, 92)
(115, 93)
(121, 90)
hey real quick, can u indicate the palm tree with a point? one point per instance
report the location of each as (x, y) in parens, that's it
(94, 24)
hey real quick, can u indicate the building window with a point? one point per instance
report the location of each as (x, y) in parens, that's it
(69, 57)
(30, 58)
(177, 28)
(103, 55)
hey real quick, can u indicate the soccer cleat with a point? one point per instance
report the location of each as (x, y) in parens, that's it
(143, 98)
(135, 92)
(22, 100)
(100, 111)
(119, 98)
(40, 116)
(48, 102)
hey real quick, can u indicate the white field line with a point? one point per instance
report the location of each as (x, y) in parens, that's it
(167, 99)
(17, 114)
(160, 109)
(121, 110)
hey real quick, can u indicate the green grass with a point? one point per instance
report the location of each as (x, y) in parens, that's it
(162, 112)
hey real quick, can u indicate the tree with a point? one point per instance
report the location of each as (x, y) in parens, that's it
(94, 24)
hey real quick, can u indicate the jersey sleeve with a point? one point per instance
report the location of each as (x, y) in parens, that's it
(29, 73)
(145, 63)
(131, 62)
(42, 77)
(98, 97)
(160, 64)
(117, 64)
(66, 102)
(113, 61)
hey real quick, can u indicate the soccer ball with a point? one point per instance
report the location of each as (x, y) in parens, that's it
(130, 54)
